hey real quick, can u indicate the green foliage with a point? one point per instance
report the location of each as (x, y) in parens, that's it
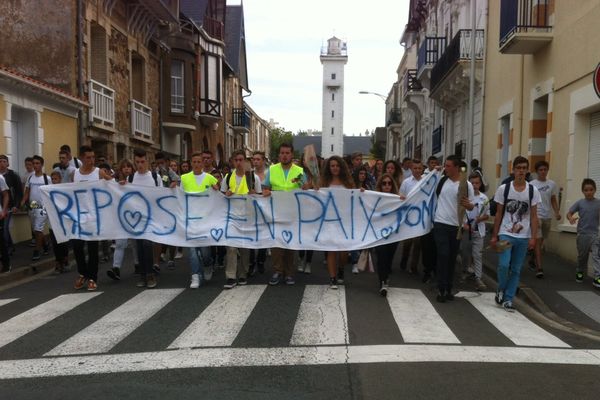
(278, 136)
(377, 149)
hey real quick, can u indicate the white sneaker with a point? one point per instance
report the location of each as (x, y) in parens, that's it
(301, 266)
(208, 273)
(354, 269)
(195, 281)
(178, 255)
(307, 268)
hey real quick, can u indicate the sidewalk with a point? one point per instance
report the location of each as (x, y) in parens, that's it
(23, 267)
(557, 296)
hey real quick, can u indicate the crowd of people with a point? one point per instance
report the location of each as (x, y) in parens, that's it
(521, 208)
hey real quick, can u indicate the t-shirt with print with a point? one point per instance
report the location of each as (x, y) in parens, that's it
(547, 189)
(516, 221)
(34, 183)
(589, 215)
(481, 208)
(3, 187)
(446, 211)
(146, 179)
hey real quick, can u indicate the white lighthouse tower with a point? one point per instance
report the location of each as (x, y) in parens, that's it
(333, 59)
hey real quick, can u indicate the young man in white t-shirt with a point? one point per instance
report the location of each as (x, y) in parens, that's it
(33, 198)
(413, 245)
(516, 223)
(446, 224)
(547, 209)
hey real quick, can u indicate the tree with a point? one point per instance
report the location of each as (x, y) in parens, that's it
(278, 136)
(377, 149)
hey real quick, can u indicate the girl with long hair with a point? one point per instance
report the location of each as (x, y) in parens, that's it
(392, 168)
(385, 252)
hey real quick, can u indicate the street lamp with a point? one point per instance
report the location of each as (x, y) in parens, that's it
(384, 98)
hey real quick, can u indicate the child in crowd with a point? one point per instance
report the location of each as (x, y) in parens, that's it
(61, 250)
(588, 210)
(474, 226)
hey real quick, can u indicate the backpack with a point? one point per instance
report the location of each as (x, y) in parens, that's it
(249, 179)
(440, 184)
(154, 176)
(506, 191)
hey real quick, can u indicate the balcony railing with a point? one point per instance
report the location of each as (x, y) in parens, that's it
(525, 17)
(141, 120)
(241, 118)
(411, 83)
(436, 139)
(102, 104)
(459, 49)
(429, 53)
(394, 116)
(214, 28)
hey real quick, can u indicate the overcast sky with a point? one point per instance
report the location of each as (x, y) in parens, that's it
(284, 39)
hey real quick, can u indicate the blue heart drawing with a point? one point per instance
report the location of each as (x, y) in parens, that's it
(216, 233)
(287, 236)
(386, 232)
(133, 218)
(429, 185)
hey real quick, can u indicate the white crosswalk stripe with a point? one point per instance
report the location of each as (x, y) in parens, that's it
(514, 326)
(6, 301)
(38, 316)
(322, 318)
(109, 330)
(418, 321)
(220, 323)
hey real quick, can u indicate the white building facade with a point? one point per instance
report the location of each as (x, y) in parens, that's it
(333, 59)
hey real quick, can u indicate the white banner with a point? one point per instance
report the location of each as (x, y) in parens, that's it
(327, 219)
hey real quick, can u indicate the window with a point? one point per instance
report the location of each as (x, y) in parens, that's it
(177, 98)
(332, 96)
(332, 113)
(332, 76)
(332, 130)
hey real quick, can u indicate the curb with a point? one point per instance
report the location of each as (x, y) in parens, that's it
(26, 273)
(533, 307)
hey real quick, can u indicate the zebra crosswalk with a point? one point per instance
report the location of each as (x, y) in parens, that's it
(322, 322)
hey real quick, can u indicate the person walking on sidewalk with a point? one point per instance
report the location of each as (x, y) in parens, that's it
(474, 226)
(239, 182)
(198, 181)
(283, 176)
(385, 252)
(548, 208)
(446, 224)
(516, 222)
(588, 211)
(37, 214)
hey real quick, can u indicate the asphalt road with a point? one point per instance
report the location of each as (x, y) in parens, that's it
(279, 342)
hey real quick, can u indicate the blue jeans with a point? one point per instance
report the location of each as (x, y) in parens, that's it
(199, 257)
(510, 262)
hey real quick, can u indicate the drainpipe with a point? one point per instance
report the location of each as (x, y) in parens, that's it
(160, 102)
(472, 84)
(80, 115)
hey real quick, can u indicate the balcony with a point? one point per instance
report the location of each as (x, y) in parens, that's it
(436, 140)
(429, 53)
(451, 74)
(394, 117)
(241, 120)
(525, 25)
(141, 121)
(102, 105)
(214, 28)
(411, 83)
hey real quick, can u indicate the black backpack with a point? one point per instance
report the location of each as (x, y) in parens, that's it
(494, 205)
(154, 176)
(45, 179)
(249, 179)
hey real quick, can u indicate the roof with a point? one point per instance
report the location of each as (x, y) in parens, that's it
(351, 144)
(17, 77)
(235, 43)
(194, 9)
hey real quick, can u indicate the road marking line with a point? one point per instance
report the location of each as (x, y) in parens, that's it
(322, 318)
(6, 301)
(417, 319)
(220, 323)
(515, 326)
(586, 302)
(288, 356)
(108, 331)
(32, 319)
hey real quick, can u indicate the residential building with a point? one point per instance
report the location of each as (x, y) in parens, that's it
(333, 58)
(540, 99)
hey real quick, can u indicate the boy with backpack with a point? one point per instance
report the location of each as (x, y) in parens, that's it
(516, 223)
(33, 198)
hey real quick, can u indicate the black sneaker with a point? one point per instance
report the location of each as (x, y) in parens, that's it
(340, 275)
(242, 281)
(230, 284)
(383, 289)
(441, 298)
(333, 283)
(36, 255)
(498, 297)
(6, 269)
(449, 296)
(114, 273)
(508, 306)
(46, 250)
(579, 277)
(539, 273)
(426, 277)
(156, 268)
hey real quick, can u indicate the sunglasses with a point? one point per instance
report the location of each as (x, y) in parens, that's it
(386, 183)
